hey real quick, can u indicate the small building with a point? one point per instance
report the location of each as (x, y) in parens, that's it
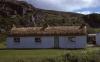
(91, 39)
(47, 37)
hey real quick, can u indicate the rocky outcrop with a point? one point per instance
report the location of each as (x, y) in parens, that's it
(12, 7)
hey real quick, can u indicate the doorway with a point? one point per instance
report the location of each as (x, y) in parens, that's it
(56, 41)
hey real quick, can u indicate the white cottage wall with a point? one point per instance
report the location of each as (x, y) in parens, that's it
(29, 42)
(80, 42)
(98, 39)
(47, 42)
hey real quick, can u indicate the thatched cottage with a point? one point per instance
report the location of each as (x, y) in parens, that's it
(48, 37)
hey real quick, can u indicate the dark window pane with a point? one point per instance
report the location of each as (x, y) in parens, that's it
(17, 40)
(37, 39)
(72, 39)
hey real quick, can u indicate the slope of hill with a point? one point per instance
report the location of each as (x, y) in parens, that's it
(92, 20)
(12, 12)
(53, 18)
(12, 7)
(21, 14)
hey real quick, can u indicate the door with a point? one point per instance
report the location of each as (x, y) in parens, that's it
(56, 42)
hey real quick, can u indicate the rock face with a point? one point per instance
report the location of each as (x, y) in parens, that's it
(12, 7)
(14, 12)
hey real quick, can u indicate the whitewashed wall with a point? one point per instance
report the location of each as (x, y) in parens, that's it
(80, 42)
(29, 42)
(47, 42)
(98, 39)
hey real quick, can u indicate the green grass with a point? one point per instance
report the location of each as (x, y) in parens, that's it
(44, 52)
(2, 45)
(51, 55)
(97, 30)
(33, 53)
(3, 40)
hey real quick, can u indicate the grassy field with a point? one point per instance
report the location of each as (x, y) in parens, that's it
(32, 53)
(51, 55)
(44, 52)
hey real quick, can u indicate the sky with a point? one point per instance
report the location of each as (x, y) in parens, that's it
(78, 6)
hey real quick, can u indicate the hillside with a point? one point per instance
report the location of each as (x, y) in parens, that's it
(12, 12)
(22, 14)
(93, 20)
(53, 18)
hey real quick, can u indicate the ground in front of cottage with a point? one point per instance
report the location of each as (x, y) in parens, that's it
(44, 52)
(51, 55)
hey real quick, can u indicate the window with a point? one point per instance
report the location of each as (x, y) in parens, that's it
(17, 40)
(72, 39)
(38, 40)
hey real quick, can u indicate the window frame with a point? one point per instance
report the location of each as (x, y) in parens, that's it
(38, 40)
(16, 39)
(71, 38)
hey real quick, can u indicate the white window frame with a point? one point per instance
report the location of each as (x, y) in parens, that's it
(72, 38)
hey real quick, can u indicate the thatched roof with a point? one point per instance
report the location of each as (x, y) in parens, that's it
(49, 31)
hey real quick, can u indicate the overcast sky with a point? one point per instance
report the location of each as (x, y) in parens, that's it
(80, 6)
